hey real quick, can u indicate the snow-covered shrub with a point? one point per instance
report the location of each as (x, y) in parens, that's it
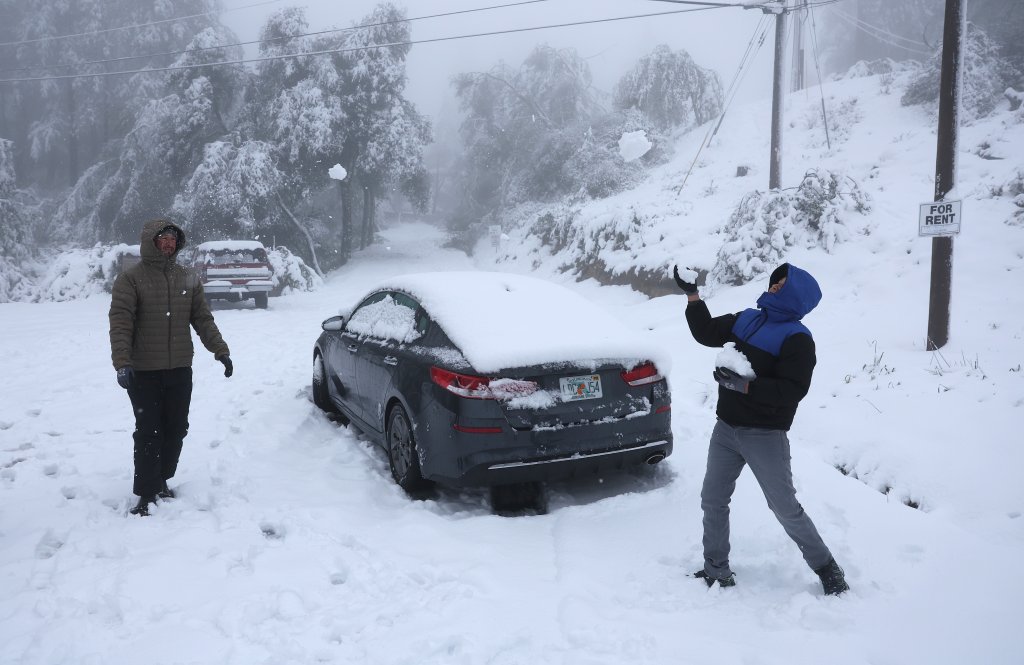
(986, 75)
(290, 272)
(79, 273)
(1015, 188)
(883, 66)
(765, 225)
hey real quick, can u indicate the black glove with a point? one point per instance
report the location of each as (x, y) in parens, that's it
(731, 380)
(689, 288)
(125, 376)
(228, 367)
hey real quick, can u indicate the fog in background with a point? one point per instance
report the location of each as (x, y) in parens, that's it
(716, 38)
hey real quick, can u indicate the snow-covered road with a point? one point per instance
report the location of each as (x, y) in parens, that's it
(289, 542)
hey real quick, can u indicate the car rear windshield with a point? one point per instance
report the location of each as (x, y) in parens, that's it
(224, 257)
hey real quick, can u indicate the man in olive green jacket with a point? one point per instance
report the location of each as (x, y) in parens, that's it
(152, 305)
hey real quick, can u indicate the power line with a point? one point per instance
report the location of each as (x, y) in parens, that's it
(273, 39)
(741, 72)
(821, 83)
(139, 25)
(353, 49)
(879, 33)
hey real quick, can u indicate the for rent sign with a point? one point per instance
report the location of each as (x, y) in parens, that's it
(940, 218)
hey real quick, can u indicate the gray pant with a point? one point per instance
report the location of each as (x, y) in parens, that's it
(767, 453)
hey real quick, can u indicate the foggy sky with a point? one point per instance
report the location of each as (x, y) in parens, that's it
(716, 39)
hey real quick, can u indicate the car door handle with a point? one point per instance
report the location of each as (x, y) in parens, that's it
(352, 348)
(390, 360)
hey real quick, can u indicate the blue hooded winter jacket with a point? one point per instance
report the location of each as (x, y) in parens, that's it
(779, 347)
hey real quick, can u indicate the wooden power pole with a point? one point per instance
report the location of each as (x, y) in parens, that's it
(778, 92)
(945, 171)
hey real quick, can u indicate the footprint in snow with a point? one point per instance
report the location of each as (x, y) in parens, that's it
(273, 531)
(48, 546)
(33, 412)
(69, 492)
(6, 425)
(16, 460)
(51, 470)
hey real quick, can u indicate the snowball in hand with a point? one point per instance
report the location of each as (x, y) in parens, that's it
(690, 276)
(634, 145)
(734, 359)
(337, 172)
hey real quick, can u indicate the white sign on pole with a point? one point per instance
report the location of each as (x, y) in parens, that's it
(939, 218)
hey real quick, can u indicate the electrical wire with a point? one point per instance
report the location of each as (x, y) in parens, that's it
(273, 39)
(289, 56)
(139, 25)
(821, 83)
(741, 72)
(877, 33)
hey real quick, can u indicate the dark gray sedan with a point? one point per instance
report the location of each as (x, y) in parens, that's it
(492, 379)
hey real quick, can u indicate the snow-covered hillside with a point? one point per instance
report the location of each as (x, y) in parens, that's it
(290, 543)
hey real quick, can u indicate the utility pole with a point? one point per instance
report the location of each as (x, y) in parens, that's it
(945, 171)
(778, 91)
(799, 24)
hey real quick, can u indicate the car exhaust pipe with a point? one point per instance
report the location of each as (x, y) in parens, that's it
(655, 458)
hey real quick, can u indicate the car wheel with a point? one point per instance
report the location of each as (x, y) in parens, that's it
(320, 397)
(403, 456)
(261, 300)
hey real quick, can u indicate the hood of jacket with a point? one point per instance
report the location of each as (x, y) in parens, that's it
(797, 297)
(147, 241)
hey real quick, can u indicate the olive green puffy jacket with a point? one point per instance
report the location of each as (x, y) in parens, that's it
(151, 307)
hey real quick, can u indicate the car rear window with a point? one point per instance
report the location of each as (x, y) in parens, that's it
(219, 258)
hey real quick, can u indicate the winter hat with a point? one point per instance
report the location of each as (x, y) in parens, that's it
(167, 229)
(778, 274)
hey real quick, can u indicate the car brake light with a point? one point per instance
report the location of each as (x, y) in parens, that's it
(463, 385)
(477, 387)
(642, 374)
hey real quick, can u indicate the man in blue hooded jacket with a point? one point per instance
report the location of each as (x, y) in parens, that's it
(754, 415)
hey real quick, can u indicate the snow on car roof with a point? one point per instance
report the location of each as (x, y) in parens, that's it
(230, 245)
(502, 320)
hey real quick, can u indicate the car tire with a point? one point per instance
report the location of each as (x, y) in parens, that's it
(320, 396)
(261, 300)
(403, 455)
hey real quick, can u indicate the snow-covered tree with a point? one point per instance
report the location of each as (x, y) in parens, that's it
(14, 240)
(670, 89)
(986, 76)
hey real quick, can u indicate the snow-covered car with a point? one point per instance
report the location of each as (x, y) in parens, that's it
(234, 270)
(492, 379)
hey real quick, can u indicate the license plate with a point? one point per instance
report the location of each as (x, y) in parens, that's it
(575, 388)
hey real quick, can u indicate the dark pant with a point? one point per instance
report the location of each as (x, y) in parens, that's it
(161, 399)
(766, 452)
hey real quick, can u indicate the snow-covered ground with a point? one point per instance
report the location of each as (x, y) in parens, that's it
(290, 543)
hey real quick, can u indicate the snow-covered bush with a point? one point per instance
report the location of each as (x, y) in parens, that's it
(986, 75)
(290, 272)
(79, 273)
(765, 225)
(883, 66)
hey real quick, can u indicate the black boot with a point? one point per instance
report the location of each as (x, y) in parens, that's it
(833, 581)
(142, 507)
(165, 492)
(710, 581)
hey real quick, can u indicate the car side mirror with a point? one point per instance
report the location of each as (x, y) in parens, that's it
(333, 324)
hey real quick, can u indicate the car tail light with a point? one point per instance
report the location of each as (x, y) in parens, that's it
(463, 385)
(642, 374)
(478, 387)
